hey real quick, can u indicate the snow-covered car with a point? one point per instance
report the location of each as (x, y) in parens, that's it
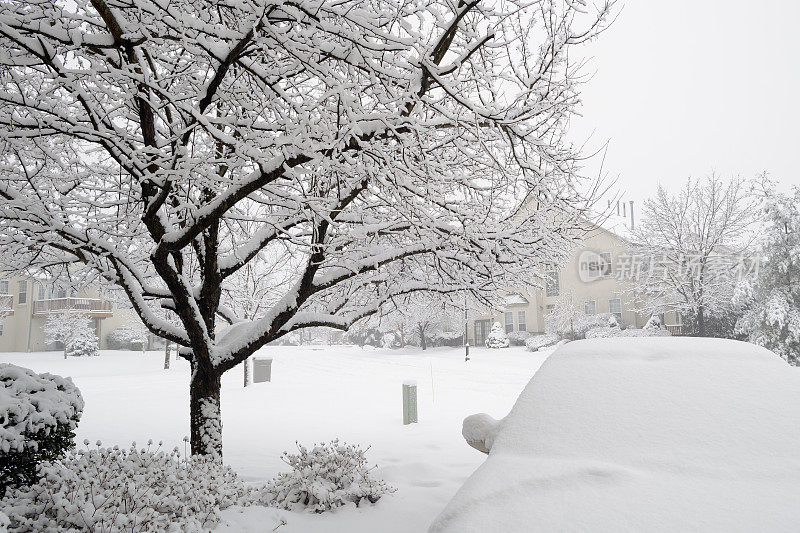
(640, 434)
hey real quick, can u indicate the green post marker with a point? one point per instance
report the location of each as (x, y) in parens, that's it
(409, 402)
(262, 369)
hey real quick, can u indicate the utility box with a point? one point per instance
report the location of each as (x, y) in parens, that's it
(262, 369)
(409, 402)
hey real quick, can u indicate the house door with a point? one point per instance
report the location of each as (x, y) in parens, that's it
(481, 331)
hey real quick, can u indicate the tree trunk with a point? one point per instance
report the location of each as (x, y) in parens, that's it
(166, 356)
(246, 364)
(422, 338)
(701, 322)
(204, 412)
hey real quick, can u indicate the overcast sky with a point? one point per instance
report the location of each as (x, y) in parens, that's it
(681, 88)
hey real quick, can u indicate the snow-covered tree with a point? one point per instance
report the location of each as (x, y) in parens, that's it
(691, 245)
(66, 326)
(421, 316)
(569, 320)
(770, 301)
(392, 147)
(497, 337)
(5, 308)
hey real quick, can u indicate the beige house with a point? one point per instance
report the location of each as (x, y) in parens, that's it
(26, 303)
(597, 276)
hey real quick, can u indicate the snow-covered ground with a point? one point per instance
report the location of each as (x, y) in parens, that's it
(318, 393)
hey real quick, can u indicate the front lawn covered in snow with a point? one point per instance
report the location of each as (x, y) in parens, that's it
(317, 393)
(643, 434)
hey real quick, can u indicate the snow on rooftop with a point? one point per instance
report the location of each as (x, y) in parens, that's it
(643, 434)
(515, 299)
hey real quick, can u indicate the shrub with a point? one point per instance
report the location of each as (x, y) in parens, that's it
(598, 333)
(324, 477)
(447, 338)
(126, 338)
(653, 323)
(38, 417)
(113, 489)
(534, 343)
(497, 337)
(577, 326)
(84, 344)
(518, 338)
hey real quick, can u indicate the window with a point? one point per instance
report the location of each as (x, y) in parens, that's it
(521, 325)
(605, 264)
(615, 307)
(41, 292)
(3, 286)
(551, 282)
(509, 322)
(481, 331)
(590, 307)
(1, 329)
(60, 293)
(23, 292)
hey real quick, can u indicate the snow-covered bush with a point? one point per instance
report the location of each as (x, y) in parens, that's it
(38, 417)
(570, 321)
(612, 321)
(518, 338)
(114, 489)
(653, 323)
(324, 477)
(83, 344)
(447, 338)
(599, 333)
(127, 338)
(534, 343)
(497, 337)
(364, 337)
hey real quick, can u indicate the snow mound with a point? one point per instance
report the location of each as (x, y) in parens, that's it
(643, 434)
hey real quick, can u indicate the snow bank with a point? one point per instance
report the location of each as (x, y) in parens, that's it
(643, 434)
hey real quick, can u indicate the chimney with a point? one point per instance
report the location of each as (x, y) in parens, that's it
(631, 214)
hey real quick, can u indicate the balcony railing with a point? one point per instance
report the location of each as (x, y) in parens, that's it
(89, 306)
(6, 305)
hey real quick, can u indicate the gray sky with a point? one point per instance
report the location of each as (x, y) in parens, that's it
(681, 88)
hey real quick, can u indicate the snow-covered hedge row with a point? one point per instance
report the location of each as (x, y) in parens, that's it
(599, 333)
(114, 489)
(518, 338)
(536, 342)
(38, 417)
(324, 477)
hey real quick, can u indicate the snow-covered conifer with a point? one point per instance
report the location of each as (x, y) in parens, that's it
(497, 337)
